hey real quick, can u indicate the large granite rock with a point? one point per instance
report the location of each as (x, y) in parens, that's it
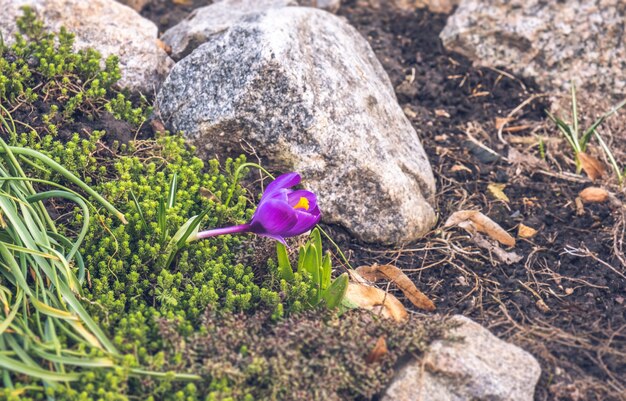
(551, 41)
(303, 89)
(205, 22)
(474, 366)
(106, 26)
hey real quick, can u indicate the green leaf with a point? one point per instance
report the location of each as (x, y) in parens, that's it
(326, 271)
(316, 239)
(313, 268)
(335, 293)
(171, 199)
(19, 367)
(284, 266)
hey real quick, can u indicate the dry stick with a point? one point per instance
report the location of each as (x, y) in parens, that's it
(587, 253)
(514, 111)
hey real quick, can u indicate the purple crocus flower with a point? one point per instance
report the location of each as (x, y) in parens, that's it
(282, 212)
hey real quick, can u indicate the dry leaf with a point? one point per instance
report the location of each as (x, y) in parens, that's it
(371, 298)
(525, 159)
(460, 167)
(594, 195)
(523, 231)
(479, 222)
(442, 113)
(164, 46)
(592, 166)
(507, 257)
(404, 283)
(497, 190)
(378, 352)
(502, 121)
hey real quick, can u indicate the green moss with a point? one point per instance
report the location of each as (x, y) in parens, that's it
(41, 71)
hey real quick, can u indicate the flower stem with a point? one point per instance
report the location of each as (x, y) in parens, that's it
(242, 228)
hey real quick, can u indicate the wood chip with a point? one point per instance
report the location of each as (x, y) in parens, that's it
(375, 273)
(594, 195)
(442, 113)
(481, 223)
(524, 231)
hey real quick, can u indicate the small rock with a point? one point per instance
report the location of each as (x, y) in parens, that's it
(106, 26)
(205, 22)
(551, 41)
(475, 365)
(304, 89)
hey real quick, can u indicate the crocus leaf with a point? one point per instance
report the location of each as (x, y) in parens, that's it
(301, 254)
(326, 271)
(334, 294)
(313, 268)
(284, 266)
(316, 239)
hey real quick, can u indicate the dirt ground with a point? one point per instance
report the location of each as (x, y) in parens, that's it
(564, 300)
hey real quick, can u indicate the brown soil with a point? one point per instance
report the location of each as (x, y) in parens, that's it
(565, 300)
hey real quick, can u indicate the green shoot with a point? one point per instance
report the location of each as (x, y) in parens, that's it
(579, 142)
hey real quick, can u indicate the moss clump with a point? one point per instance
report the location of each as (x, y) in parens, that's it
(41, 72)
(310, 356)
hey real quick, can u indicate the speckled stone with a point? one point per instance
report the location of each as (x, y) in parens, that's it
(551, 41)
(304, 89)
(474, 366)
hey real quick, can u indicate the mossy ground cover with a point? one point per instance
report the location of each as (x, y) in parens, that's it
(218, 310)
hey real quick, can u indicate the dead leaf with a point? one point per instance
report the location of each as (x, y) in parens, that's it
(164, 46)
(594, 195)
(442, 113)
(525, 159)
(502, 121)
(388, 272)
(371, 298)
(497, 190)
(378, 352)
(580, 208)
(473, 220)
(460, 167)
(592, 166)
(506, 257)
(524, 231)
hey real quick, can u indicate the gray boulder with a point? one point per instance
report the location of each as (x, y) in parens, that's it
(551, 41)
(474, 366)
(205, 22)
(106, 26)
(304, 90)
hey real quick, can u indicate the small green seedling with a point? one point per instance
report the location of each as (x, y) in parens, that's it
(579, 139)
(319, 268)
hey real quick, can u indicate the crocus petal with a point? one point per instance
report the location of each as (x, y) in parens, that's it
(273, 217)
(275, 237)
(306, 221)
(283, 181)
(294, 198)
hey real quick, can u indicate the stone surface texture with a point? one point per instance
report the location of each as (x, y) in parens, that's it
(205, 22)
(435, 6)
(107, 26)
(474, 366)
(551, 41)
(328, 5)
(303, 89)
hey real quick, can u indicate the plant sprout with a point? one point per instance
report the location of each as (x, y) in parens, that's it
(578, 139)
